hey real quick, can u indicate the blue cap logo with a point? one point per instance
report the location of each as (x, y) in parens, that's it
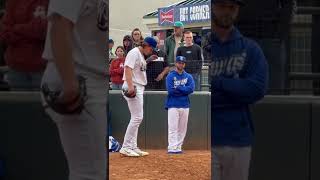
(181, 59)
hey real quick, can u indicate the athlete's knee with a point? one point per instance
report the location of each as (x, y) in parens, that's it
(136, 118)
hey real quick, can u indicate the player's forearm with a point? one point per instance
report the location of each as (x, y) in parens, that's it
(186, 90)
(170, 87)
(61, 33)
(175, 92)
(128, 75)
(250, 90)
(165, 71)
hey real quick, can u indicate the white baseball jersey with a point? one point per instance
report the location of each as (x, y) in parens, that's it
(136, 61)
(89, 35)
(83, 136)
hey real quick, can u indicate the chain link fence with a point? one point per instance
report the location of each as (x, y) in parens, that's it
(300, 49)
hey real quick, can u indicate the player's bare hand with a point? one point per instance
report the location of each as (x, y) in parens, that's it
(131, 90)
(70, 95)
(152, 58)
(160, 77)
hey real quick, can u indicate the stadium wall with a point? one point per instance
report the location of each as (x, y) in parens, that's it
(287, 135)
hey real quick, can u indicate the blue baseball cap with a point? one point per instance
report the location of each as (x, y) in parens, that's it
(151, 42)
(110, 41)
(181, 59)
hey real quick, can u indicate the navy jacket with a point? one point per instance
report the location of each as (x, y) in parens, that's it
(239, 74)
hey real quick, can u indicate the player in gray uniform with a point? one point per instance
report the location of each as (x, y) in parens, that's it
(75, 45)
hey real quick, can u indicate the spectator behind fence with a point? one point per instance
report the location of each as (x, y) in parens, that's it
(173, 42)
(137, 37)
(127, 43)
(206, 50)
(23, 33)
(157, 69)
(207, 45)
(3, 84)
(193, 54)
(110, 47)
(116, 69)
(2, 46)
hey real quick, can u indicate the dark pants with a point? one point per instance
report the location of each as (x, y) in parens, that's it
(231, 163)
(155, 85)
(24, 81)
(197, 81)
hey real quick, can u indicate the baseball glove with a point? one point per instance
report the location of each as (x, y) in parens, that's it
(52, 99)
(114, 145)
(125, 92)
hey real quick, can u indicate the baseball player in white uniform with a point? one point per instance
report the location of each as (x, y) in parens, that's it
(135, 77)
(179, 85)
(75, 45)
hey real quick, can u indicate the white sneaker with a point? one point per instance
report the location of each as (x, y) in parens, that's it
(128, 152)
(176, 150)
(141, 153)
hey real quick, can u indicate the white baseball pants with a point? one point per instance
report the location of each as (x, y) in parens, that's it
(83, 136)
(136, 112)
(177, 127)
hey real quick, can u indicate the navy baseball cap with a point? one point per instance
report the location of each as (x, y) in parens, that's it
(239, 2)
(151, 42)
(181, 59)
(110, 41)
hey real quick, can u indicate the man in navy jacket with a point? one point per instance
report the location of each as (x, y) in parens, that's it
(239, 74)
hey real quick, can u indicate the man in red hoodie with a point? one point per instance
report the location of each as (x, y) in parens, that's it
(23, 33)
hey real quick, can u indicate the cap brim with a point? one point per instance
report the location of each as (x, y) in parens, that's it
(154, 49)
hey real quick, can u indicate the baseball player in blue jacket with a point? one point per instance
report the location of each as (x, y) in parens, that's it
(179, 85)
(239, 73)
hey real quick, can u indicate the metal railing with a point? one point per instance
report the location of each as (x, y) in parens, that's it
(302, 76)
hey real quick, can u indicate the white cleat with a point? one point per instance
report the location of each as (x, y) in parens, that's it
(141, 153)
(176, 150)
(128, 152)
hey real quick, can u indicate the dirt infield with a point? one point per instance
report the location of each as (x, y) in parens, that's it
(192, 165)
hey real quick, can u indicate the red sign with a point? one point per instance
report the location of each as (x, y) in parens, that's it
(167, 16)
(162, 36)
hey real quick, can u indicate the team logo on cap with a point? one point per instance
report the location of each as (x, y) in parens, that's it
(167, 16)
